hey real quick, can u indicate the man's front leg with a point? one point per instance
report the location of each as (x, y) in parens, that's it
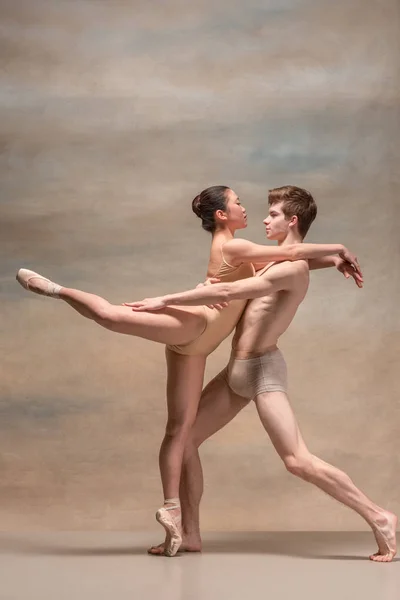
(191, 492)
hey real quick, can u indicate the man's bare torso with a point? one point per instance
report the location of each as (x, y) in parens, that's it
(266, 319)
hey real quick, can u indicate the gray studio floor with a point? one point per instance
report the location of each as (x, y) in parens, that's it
(236, 566)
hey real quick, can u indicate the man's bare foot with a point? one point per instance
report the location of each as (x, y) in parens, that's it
(189, 544)
(384, 530)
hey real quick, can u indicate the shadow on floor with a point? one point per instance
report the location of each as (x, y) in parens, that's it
(316, 545)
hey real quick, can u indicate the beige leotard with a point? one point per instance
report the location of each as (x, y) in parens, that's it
(218, 324)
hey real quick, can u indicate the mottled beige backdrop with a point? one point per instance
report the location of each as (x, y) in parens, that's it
(114, 115)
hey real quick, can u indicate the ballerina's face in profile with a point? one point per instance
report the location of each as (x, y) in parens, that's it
(235, 214)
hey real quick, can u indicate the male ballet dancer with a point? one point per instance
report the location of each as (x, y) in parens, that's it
(257, 371)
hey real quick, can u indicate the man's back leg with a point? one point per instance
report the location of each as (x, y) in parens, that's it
(280, 423)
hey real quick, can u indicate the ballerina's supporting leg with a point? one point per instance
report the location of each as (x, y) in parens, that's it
(217, 407)
(185, 382)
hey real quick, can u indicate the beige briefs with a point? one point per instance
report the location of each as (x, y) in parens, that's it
(249, 377)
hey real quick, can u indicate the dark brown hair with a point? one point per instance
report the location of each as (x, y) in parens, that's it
(296, 201)
(207, 202)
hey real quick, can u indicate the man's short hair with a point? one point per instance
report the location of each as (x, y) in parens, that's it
(296, 201)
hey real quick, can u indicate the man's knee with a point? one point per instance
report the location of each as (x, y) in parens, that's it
(302, 466)
(196, 439)
(191, 445)
(176, 428)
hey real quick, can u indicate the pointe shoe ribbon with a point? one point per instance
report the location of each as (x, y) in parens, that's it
(45, 287)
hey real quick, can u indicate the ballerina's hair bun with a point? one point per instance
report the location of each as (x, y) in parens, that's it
(196, 206)
(207, 202)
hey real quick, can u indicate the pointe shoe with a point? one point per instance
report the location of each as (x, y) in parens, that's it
(43, 286)
(171, 526)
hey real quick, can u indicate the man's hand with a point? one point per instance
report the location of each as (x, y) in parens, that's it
(348, 270)
(210, 281)
(153, 304)
(148, 304)
(351, 259)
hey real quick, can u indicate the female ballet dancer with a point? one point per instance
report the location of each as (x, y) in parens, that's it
(190, 333)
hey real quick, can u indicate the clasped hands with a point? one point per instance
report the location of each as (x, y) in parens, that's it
(347, 263)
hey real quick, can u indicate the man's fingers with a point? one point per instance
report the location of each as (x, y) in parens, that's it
(353, 267)
(354, 272)
(356, 266)
(358, 283)
(357, 275)
(349, 270)
(146, 308)
(219, 306)
(358, 280)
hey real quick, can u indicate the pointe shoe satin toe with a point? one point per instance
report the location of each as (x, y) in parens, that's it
(33, 282)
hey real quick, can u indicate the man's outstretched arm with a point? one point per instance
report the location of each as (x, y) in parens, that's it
(244, 289)
(238, 251)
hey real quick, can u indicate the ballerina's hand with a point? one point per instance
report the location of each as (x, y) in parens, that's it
(148, 304)
(348, 271)
(210, 281)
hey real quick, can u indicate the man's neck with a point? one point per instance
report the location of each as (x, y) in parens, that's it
(291, 238)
